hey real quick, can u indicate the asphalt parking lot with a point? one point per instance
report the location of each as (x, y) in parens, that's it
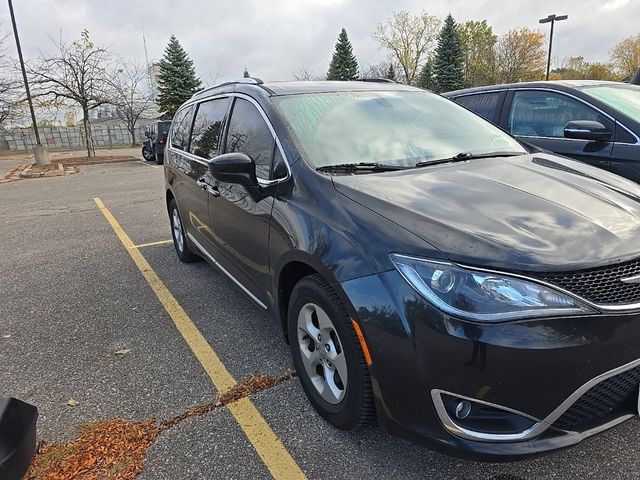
(73, 296)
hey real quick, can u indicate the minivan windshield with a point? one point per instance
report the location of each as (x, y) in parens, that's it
(400, 128)
(624, 98)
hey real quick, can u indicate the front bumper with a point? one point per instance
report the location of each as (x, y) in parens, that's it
(539, 368)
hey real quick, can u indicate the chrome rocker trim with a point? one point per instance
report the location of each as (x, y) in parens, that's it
(212, 260)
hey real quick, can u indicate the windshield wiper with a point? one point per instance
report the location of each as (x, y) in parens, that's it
(360, 167)
(467, 156)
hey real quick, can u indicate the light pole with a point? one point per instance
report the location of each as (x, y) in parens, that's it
(40, 153)
(552, 19)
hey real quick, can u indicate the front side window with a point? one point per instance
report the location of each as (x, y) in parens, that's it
(545, 114)
(484, 104)
(207, 128)
(248, 133)
(182, 125)
(624, 98)
(394, 127)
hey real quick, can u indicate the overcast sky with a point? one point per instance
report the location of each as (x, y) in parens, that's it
(274, 37)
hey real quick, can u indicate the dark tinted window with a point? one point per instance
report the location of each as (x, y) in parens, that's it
(544, 114)
(484, 104)
(182, 125)
(249, 134)
(207, 128)
(163, 127)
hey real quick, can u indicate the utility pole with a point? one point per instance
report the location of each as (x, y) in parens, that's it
(40, 153)
(551, 19)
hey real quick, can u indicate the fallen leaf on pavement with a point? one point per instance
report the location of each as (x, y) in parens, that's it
(73, 403)
(6, 336)
(122, 351)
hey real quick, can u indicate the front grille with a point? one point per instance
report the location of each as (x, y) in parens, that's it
(600, 285)
(615, 394)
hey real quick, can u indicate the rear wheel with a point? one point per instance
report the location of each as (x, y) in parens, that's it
(179, 238)
(146, 154)
(327, 356)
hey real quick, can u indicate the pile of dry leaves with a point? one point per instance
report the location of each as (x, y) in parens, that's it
(115, 449)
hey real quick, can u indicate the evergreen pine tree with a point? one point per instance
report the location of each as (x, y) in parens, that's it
(177, 80)
(246, 73)
(425, 79)
(344, 65)
(391, 73)
(449, 58)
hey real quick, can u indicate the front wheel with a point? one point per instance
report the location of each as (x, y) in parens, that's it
(179, 238)
(327, 356)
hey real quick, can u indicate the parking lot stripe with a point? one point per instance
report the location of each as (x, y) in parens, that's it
(148, 164)
(275, 456)
(151, 244)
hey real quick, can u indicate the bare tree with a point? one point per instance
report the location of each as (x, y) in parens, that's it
(78, 73)
(131, 95)
(305, 74)
(11, 88)
(212, 79)
(379, 70)
(409, 38)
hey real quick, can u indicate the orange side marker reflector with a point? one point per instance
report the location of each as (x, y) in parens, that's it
(363, 344)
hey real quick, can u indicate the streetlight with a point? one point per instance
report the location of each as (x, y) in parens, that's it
(40, 153)
(553, 19)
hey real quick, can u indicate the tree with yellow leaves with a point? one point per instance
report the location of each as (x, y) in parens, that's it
(625, 56)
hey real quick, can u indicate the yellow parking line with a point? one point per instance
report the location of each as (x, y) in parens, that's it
(269, 447)
(151, 244)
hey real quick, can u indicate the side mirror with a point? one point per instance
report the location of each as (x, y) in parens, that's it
(587, 130)
(234, 168)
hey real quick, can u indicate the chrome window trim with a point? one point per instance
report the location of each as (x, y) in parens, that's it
(261, 181)
(480, 92)
(223, 270)
(561, 92)
(631, 307)
(541, 425)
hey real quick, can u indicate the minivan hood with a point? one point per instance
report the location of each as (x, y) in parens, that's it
(532, 212)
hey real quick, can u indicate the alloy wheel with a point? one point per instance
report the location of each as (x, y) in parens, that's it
(322, 354)
(177, 230)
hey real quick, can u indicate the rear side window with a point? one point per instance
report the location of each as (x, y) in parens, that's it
(182, 125)
(207, 128)
(484, 104)
(163, 128)
(248, 133)
(540, 113)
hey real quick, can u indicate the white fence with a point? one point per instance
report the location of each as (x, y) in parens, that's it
(62, 138)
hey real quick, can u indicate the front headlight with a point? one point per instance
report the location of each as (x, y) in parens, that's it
(483, 296)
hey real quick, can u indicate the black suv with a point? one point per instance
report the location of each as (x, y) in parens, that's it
(426, 269)
(593, 121)
(153, 146)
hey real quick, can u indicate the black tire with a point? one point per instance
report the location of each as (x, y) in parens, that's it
(146, 154)
(159, 157)
(357, 405)
(182, 248)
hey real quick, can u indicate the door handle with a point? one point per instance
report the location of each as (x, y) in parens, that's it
(207, 187)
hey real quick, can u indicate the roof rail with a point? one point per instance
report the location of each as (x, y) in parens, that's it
(377, 80)
(246, 81)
